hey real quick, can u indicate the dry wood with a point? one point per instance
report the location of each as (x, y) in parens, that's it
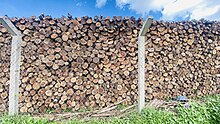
(84, 63)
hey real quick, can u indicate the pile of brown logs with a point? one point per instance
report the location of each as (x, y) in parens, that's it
(183, 58)
(87, 63)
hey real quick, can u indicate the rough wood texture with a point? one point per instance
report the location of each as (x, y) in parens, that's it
(84, 63)
(182, 59)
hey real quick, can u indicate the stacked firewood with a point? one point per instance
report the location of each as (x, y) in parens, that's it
(85, 63)
(183, 58)
(5, 51)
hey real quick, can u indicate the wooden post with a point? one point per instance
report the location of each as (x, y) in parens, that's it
(141, 64)
(14, 65)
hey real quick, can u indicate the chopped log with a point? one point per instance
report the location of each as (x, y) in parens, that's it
(65, 37)
(54, 36)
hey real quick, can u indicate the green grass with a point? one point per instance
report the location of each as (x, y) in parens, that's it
(197, 113)
(23, 120)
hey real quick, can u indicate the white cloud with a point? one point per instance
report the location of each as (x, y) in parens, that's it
(172, 9)
(143, 6)
(79, 4)
(211, 12)
(100, 3)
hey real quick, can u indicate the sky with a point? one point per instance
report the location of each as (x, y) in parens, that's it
(169, 10)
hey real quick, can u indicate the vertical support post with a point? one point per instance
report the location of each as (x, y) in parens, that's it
(14, 75)
(141, 63)
(14, 64)
(141, 73)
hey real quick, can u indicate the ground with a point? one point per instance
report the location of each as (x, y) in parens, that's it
(206, 111)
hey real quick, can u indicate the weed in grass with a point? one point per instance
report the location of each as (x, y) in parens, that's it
(49, 110)
(68, 110)
(121, 106)
(83, 110)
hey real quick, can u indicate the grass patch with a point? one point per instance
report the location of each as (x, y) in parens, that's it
(23, 119)
(198, 113)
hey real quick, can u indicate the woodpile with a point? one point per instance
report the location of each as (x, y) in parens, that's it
(89, 63)
(182, 59)
(5, 51)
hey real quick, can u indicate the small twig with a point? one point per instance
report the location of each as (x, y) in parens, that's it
(124, 114)
(97, 111)
(103, 115)
(107, 109)
(129, 107)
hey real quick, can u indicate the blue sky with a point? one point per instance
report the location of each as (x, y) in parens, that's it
(159, 9)
(57, 8)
